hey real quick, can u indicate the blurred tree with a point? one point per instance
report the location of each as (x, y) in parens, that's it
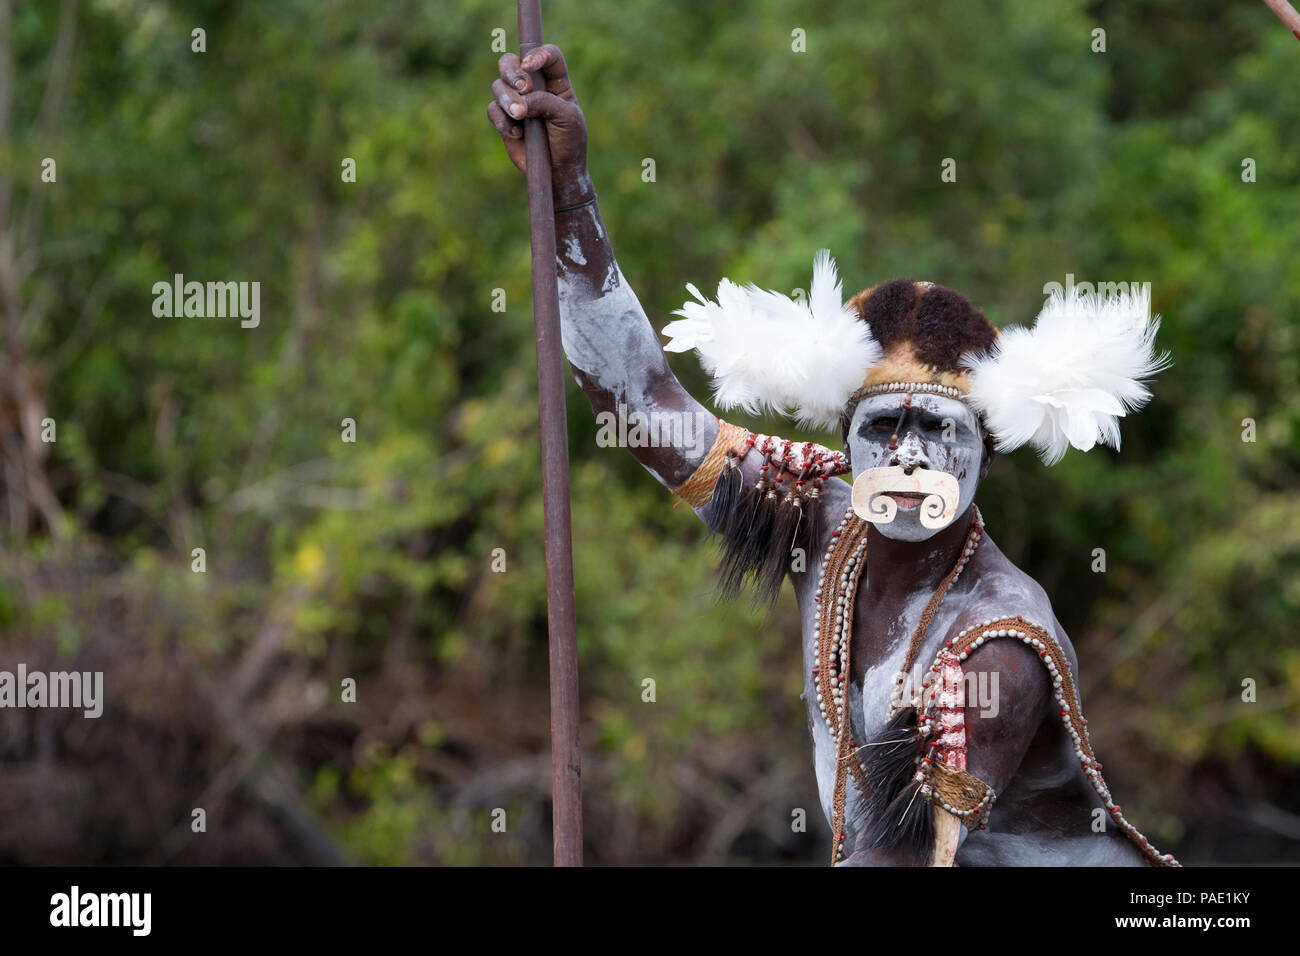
(373, 560)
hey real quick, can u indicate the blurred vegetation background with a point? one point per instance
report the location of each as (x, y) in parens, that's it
(327, 560)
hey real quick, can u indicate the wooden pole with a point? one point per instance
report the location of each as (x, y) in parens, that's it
(566, 772)
(1286, 13)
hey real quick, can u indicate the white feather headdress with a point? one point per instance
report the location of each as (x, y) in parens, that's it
(1065, 382)
(1069, 379)
(766, 351)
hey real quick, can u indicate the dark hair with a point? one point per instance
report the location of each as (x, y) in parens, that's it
(941, 324)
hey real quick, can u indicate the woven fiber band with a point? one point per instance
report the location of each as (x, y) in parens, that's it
(698, 489)
(961, 793)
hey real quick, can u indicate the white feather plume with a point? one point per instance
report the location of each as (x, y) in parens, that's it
(766, 351)
(1068, 380)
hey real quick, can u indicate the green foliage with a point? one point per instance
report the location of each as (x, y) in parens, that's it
(373, 560)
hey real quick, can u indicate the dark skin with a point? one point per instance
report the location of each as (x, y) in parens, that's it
(1045, 803)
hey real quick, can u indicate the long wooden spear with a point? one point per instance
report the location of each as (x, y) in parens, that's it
(1286, 13)
(566, 768)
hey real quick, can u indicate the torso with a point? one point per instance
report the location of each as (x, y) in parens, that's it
(1043, 816)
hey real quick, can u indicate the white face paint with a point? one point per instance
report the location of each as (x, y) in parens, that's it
(938, 434)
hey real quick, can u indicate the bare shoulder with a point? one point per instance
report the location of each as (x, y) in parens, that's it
(1011, 675)
(999, 590)
(835, 498)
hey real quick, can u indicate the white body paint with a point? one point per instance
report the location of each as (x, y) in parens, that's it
(612, 346)
(618, 359)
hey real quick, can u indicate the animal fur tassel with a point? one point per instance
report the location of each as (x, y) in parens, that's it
(900, 811)
(763, 523)
(894, 814)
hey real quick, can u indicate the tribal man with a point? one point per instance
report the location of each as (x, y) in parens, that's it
(907, 606)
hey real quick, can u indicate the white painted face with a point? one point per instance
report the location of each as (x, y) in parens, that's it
(938, 434)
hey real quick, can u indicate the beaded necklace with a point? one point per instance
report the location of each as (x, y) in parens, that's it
(842, 566)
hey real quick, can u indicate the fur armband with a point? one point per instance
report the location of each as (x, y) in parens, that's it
(761, 523)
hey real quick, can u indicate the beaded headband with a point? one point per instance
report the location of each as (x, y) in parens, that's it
(948, 391)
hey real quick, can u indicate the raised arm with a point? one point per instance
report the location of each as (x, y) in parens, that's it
(614, 351)
(759, 493)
